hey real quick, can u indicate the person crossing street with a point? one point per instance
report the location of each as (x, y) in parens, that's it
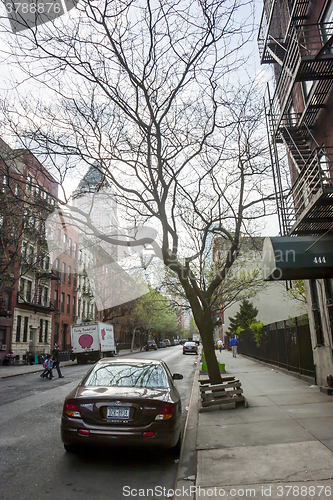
(56, 360)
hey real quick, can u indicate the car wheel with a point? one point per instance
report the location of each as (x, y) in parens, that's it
(175, 451)
(70, 448)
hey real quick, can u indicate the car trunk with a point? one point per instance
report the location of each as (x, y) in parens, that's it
(116, 406)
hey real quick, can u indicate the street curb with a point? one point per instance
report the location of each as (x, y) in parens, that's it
(189, 443)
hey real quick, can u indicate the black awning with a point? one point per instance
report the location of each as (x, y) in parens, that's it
(299, 257)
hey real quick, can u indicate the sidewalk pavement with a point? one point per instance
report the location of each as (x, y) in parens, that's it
(15, 370)
(281, 446)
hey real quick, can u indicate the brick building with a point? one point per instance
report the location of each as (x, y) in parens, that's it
(296, 36)
(28, 196)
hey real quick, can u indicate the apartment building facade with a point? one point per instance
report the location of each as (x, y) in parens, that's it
(28, 196)
(296, 36)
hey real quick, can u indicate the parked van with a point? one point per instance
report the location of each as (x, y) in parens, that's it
(167, 342)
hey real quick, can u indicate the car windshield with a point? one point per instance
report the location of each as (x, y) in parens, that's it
(188, 344)
(127, 375)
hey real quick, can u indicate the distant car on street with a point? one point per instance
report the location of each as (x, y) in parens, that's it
(190, 348)
(151, 345)
(124, 402)
(167, 342)
(161, 344)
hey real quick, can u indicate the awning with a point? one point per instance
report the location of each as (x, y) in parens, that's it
(299, 257)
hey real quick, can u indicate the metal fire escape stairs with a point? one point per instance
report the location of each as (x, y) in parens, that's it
(307, 208)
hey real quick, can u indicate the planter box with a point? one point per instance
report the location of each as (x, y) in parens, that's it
(221, 366)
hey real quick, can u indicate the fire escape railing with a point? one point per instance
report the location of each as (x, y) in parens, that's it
(297, 13)
(315, 178)
(307, 58)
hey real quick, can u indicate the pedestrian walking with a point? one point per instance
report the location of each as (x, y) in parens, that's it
(219, 345)
(56, 360)
(9, 358)
(49, 373)
(233, 344)
(45, 366)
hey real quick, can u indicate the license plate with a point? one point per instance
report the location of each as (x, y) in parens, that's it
(116, 412)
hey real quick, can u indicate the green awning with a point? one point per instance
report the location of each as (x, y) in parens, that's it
(299, 257)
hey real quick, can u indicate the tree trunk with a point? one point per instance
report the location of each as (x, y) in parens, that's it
(205, 326)
(207, 337)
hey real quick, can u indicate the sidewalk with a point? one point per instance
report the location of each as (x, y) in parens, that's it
(281, 446)
(15, 370)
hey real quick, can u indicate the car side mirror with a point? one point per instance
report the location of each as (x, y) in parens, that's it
(177, 376)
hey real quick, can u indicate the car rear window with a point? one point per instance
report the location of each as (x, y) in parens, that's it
(127, 375)
(188, 344)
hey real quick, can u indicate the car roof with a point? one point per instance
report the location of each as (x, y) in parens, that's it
(131, 361)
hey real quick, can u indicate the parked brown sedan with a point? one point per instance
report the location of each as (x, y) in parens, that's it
(123, 402)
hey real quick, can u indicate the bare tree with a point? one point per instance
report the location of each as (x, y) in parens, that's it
(138, 88)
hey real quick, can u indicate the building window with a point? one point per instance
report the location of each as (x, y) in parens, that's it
(74, 306)
(46, 329)
(25, 329)
(40, 330)
(57, 268)
(83, 309)
(92, 311)
(29, 291)
(62, 303)
(69, 275)
(64, 239)
(70, 246)
(22, 288)
(75, 278)
(68, 304)
(39, 294)
(46, 296)
(63, 271)
(75, 250)
(18, 329)
(79, 307)
(326, 24)
(56, 333)
(29, 183)
(8, 298)
(47, 263)
(31, 255)
(56, 305)
(4, 182)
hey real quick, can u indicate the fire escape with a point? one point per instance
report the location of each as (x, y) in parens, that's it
(302, 53)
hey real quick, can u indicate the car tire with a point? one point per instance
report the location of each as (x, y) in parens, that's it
(175, 451)
(70, 448)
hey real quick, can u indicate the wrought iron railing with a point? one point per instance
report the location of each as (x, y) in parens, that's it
(317, 175)
(297, 12)
(308, 57)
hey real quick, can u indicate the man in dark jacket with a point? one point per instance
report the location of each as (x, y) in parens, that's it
(56, 360)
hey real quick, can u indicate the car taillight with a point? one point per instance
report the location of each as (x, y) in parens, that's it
(71, 409)
(166, 411)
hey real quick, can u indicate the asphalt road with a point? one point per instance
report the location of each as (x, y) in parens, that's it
(33, 463)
